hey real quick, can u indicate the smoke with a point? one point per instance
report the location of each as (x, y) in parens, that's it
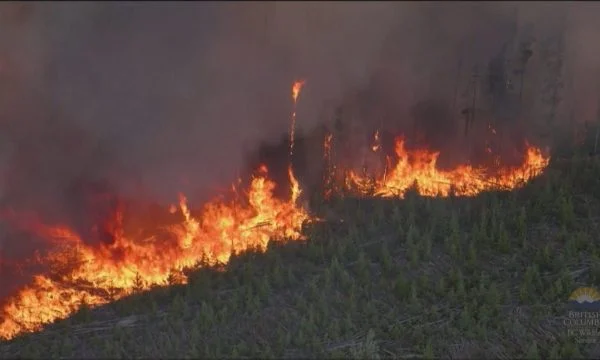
(582, 90)
(152, 99)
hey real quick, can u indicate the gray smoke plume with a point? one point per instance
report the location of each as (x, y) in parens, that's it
(152, 99)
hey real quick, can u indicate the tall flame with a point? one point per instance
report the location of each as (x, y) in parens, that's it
(296, 88)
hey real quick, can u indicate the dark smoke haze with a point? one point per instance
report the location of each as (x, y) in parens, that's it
(152, 99)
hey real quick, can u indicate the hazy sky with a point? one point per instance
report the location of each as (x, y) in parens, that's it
(160, 98)
(161, 92)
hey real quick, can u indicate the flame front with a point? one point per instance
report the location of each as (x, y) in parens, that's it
(417, 169)
(140, 258)
(98, 275)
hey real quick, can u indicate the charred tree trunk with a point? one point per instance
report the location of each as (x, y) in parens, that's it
(456, 84)
(467, 115)
(470, 118)
(473, 104)
(596, 139)
(597, 131)
(476, 76)
(522, 77)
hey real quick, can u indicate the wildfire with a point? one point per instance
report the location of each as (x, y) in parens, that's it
(296, 88)
(97, 275)
(79, 273)
(418, 169)
(295, 186)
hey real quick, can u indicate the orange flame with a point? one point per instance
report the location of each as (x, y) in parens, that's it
(295, 186)
(419, 168)
(157, 255)
(329, 167)
(376, 142)
(296, 88)
(97, 275)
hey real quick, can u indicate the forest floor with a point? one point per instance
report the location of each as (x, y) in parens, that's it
(488, 276)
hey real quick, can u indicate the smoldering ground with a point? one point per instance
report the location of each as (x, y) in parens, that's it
(146, 100)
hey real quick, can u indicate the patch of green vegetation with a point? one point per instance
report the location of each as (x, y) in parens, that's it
(421, 277)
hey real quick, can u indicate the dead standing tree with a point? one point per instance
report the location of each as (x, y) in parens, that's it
(597, 130)
(457, 82)
(469, 112)
(525, 54)
(497, 79)
(551, 51)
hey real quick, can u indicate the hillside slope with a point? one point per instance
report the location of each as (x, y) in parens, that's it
(462, 278)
